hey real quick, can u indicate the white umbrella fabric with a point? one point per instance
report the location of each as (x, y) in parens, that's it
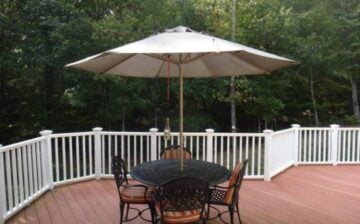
(189, 53)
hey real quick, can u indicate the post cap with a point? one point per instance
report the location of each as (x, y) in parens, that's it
(45, 132)
(295, 125)
(209, 130)
(334, 126)
(268, 131)
(97, 129)
(153, 129)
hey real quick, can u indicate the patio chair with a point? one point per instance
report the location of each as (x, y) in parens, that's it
(173, 152)
(228, 196)
(181, 200)
(130, 193)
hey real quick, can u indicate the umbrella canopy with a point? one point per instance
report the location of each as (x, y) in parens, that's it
(199, 54)
(189, 53)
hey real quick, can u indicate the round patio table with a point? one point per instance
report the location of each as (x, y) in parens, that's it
(161, 171)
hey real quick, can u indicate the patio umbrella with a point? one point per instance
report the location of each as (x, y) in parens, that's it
(190, 54)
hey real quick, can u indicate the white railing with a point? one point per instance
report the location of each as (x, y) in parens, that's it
(72, 157)
(134, 147)
(348, 146)
(232, 147)
(195, 142)
(329, 145)
(280, 153)
(315, 145)
(23, 175)
(29, 168)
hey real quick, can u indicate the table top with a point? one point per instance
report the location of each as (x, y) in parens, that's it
(161, 171)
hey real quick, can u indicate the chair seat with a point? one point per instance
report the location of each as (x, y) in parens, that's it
(188, 216)
(135, 194)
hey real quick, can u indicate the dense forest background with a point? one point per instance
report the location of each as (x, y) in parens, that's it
(38, 37)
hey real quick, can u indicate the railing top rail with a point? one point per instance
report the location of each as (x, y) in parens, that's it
(285, 131)
(315, 128)
(125, 133)
(185, 133)
(20, 144)
(239, 134)
(193, 133)
(349, 129)
(71, 134)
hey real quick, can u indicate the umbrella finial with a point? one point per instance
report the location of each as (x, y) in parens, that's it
(179, 29)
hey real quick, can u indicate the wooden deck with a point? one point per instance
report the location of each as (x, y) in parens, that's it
(304, 194)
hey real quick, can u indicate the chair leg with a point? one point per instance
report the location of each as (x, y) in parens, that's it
(208, 211)
(127, 211)
(152, 212)
(238, 212)
(231, 213)
(121, 212)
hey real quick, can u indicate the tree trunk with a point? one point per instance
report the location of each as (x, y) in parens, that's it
(156, 118)
(265, 124)
(316, 117)
(354, 97)
(123, 120)
(49, 90)
(105, 101)
(233, 111)
(232, 85)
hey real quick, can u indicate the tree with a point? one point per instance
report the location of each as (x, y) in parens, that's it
(346, 54)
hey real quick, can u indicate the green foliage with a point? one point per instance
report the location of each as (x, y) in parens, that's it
(352, 120)
(38, 37)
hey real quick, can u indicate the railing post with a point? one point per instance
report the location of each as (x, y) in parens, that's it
(209, 145)
(48, 166)
(153, 143)
(296, 147)
(2, 189)
(97, 151)
(334, 143)
(267, 161)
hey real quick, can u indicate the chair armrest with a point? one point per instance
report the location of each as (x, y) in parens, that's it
(216, 187)
(135, 185)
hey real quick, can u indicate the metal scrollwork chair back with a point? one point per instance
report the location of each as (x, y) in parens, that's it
(229, 196)
(130, 193)
(181, 200)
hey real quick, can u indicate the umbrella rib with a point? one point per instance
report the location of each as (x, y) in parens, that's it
(162, 58)
(116, 64)
(158, 73)
(251, 63)
(183, 61)
(199, 57)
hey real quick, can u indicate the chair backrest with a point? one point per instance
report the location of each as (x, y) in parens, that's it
(173, 152)
(184, 194)
(119, 171)
(235, 182)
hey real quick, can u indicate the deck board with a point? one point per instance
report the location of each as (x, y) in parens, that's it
(303, 194)
(41, 210)
(79, 215)
(52, 208)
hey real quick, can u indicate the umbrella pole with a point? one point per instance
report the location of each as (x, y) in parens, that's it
(181, 112)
